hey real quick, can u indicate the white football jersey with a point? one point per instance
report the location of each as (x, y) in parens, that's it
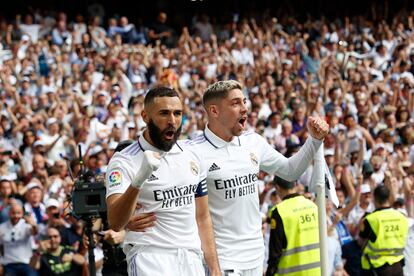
(232, 182)
(169, 192)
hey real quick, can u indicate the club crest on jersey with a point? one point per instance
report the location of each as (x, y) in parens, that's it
(253, 158)
(194, 168)
(114, 178)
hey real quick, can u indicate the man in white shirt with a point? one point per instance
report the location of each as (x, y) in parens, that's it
(167, 179)
(54, 140)
(365, 205)
(16, 237)
(234, 158)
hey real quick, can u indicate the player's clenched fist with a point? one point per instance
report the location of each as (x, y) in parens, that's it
(150, 163)
(317, 127)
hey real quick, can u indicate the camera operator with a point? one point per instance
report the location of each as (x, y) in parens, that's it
(115, 260)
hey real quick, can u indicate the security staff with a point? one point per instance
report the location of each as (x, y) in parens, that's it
(384, 232)
(294, 236)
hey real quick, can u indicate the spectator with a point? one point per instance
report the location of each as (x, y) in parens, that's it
(161, 31)
(15, 237)
(7, 199)
(34, 205)
(59, 259)
(61, 35)
(203, 28)
(30, 28)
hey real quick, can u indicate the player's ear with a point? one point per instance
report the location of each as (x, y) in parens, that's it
(144, 116)
(213, 110)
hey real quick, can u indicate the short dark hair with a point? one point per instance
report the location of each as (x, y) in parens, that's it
(347, 116)
(160, 91)
(220, 90)
(273, 114)
(284, 184)
(381, 194)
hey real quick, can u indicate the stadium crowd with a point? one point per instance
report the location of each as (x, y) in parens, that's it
(69, 81)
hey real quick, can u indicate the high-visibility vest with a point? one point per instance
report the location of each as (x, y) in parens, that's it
(391, 228)
(300, 222)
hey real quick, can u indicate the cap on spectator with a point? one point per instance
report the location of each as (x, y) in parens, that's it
(103, 93)
(136, 79)
(25, 37)
(7, 149)
(38, 143)
(365, 188)
(51, 202)
(112, 145)
(329, 152)
(48, 90)
(287, 61)
(95, 150)
(367, 168)
(8, 178)
(33, 185)
(26, 79)
(379, 146)
(141, 92)
(115, 87)
(51, 120)
(408, 76)
(131, 125)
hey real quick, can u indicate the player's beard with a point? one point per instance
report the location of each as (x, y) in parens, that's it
(157, 136)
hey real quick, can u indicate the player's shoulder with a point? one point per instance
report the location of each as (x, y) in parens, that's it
(189, 146)
(131, 150)
(193, 145)
(250, 137)
(197, 140)
(126, 155)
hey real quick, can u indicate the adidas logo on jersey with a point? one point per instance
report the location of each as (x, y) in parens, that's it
(152, 178)
(214, 167)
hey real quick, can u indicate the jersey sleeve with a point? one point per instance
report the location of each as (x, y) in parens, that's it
(202, 185)
(201, 189)
(290, 169)
(117, 179)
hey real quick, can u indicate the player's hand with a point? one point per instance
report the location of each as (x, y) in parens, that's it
(150, 163)
(141, 222)
(317, 127)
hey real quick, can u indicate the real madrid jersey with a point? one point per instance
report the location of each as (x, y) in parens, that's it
(169, 192)
(232, 182)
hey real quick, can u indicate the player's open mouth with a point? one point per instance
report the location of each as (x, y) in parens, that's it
(242, 122)
(169, 135)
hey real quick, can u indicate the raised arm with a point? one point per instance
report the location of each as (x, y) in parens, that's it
(292, 168)
(125, 203)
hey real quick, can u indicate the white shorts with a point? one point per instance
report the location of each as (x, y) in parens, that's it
(257, 271)
(150, 261)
